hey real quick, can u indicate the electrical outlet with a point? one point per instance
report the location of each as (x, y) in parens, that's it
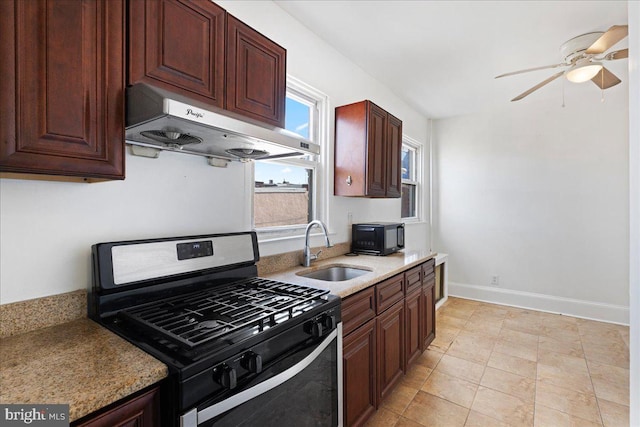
(495, 280)
(349, 219)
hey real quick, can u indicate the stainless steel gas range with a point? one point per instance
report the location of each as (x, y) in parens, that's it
(241, 350)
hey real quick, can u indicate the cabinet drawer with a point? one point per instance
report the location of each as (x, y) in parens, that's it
(389, 292)
(429, 282)
(357, 309)
(142, 410)
(413, 278)
(428, 270)
(428, 266)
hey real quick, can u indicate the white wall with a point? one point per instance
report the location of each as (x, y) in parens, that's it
(47, 228)
(538, 195)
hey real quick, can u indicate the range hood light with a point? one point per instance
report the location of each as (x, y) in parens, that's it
(247, 153)
(172, 134)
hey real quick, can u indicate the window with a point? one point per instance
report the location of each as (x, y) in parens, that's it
(410, 178)
(285, 195)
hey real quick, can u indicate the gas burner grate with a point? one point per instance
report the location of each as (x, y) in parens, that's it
(198, 317)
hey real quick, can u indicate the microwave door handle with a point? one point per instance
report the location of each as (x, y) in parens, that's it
(216, 409)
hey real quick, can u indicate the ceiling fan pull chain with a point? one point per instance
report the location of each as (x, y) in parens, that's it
(602, 86)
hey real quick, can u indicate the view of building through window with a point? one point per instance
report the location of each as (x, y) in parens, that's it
(282, 193)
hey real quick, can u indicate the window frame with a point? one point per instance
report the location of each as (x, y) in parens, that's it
(417, 180)
(301, 92)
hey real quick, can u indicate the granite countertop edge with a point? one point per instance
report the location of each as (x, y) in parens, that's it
(381, 268)
(78, 363)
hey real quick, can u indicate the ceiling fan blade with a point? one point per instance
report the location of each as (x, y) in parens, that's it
(618, 54)
(608, 39)
(605, 79)
(538, 86)
(544, 67)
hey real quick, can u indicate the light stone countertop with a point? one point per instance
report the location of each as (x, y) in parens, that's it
(79, 363)
(381, 267)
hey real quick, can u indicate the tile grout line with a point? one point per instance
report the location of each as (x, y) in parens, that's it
(593, 386)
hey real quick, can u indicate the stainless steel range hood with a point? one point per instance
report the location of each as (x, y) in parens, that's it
(162, 120)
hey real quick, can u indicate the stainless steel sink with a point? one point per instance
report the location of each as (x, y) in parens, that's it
(335, 273)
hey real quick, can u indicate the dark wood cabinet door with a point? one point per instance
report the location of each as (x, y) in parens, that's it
(256, 74)
(178, 45)
(394, 148)
(428, 302)
(428, 315)
(350, 160)
(390, 325)
(376, 151)
(141, 411)
(368, 144)
(413, 338)
(359, 377)
(62, 89)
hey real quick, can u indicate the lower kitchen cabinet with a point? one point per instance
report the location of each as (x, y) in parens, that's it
(428, 299)
(390, 325)
(386, 328)
(413, 307)
(428, 303)
(140, 411)
(359, 365)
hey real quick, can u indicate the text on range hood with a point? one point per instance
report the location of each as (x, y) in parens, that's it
(163, 120)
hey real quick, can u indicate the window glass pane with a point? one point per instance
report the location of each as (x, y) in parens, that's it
(281, 194)
(408, 201)
(407, 163)
(297, 118)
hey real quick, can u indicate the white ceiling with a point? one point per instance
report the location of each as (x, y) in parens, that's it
(441, 57)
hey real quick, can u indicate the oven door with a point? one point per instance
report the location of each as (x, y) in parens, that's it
(303, 389)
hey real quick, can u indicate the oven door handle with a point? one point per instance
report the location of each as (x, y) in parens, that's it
(194, 417)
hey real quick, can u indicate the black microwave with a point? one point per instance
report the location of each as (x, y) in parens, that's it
(382, 238)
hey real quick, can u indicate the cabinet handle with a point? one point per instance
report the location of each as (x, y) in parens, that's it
(349, 180)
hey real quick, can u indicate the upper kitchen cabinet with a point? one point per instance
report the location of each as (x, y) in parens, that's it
(256, 74)
(62, 88)
(196, 49)
(178, 45)
(368, 141)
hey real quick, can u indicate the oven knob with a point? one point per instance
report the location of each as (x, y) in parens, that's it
(227, 377)
(252, 362)
(316, 329)
(330, 322)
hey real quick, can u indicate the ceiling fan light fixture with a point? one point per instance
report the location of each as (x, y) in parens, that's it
(583, 71)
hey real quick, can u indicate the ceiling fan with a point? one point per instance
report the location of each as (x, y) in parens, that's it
(583, 56)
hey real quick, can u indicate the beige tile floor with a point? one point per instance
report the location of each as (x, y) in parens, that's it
(492, 365)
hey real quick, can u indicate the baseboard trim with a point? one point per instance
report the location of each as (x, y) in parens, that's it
(548, 303)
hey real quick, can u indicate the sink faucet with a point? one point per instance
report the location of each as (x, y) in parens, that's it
(308, 256)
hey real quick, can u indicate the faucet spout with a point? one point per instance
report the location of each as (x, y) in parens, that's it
(308, 256)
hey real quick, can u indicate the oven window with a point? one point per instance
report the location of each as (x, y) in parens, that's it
(310, 398)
